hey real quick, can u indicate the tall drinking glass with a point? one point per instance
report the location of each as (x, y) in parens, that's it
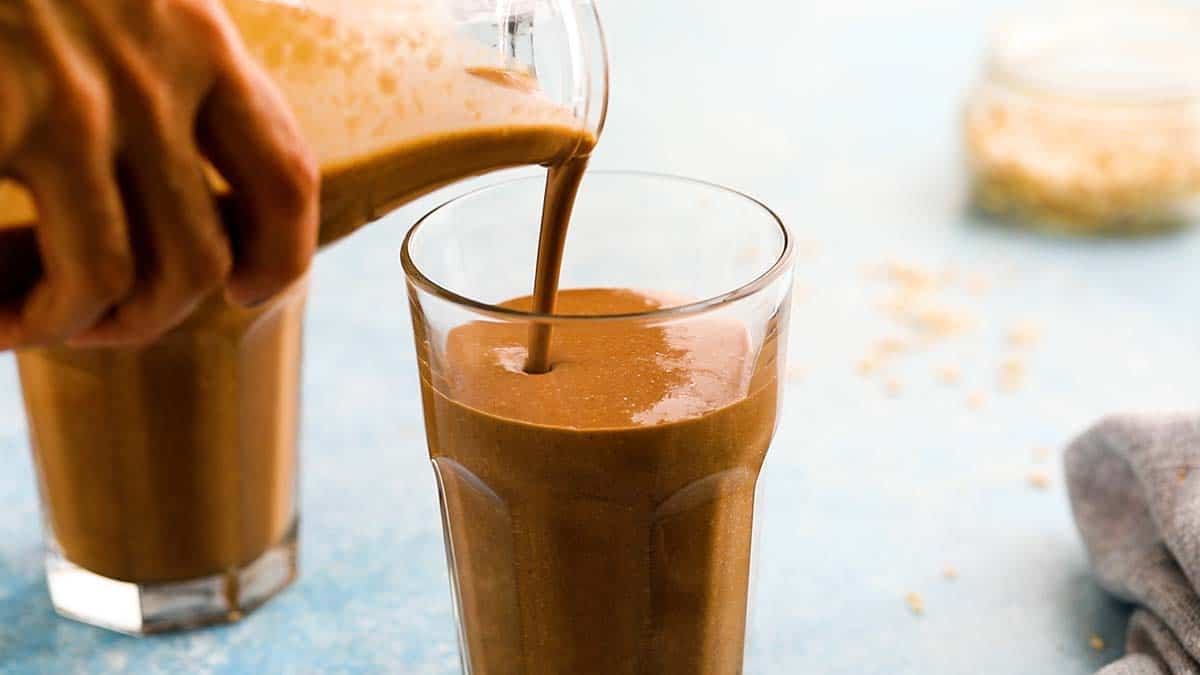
(598, 518)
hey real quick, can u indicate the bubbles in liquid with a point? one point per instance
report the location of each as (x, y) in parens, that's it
(304, 52)
(434, 60)
(381, 73)
(327, 29)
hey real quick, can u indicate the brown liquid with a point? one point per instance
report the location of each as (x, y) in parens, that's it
(599, 516)
(176, 461)
(562, 184)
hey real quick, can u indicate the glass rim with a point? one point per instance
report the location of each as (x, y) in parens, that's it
(770, 275)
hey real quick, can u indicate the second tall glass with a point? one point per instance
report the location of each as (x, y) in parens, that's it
(598, 518)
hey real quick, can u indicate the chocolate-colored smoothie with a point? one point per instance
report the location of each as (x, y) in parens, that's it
(178, 461)
(599, 515)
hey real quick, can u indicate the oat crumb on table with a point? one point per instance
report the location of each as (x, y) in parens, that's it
(909, 277)
(976, 400)
(1096, 642)
(950, 375)
(1041, 454)
(938, 323)
(890, 345)
(1024, 334)
(1039, 480)
(893, 388)
(916, 604)
(950, 572)
(1012, 374)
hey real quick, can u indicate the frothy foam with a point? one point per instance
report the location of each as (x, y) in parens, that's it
(376, 74)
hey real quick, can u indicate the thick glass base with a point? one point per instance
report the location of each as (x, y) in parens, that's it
(141, 609)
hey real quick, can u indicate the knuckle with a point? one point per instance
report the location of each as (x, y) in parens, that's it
(205, 22)
(105, 279)
(87, 112)
(85, 115)
(205, 268)
(53, 322)
(298, 183)
(149, 316)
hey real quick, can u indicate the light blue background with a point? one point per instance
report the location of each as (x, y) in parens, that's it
(842, 115)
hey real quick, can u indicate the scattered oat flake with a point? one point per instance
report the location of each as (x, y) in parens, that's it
(1041, 454)
(909, 277)
(1039, 480)
(1024, 334)
(1012, 374)
(950, 573)
(976, 400)
(868, 365)
(950, 374)
(1182, 473)
(890, 345)
(1096, 642)
(939, 323)
(916, 604)
(893, 388)
(1012, 366)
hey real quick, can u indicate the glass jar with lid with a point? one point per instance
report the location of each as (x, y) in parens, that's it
(1087, 120)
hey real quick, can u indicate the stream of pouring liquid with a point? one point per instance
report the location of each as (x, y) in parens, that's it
(562, 184)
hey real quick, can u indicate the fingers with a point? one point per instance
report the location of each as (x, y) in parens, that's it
(86, 258)
(248, 132)
(58, 140)
(22, 92)
(14, 111)
(128, 235)
(182, 252)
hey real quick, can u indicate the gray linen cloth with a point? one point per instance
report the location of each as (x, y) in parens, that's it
(1134, 484)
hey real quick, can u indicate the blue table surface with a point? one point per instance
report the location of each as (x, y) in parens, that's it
(842, 115)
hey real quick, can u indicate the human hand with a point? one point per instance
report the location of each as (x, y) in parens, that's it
(107, 110)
